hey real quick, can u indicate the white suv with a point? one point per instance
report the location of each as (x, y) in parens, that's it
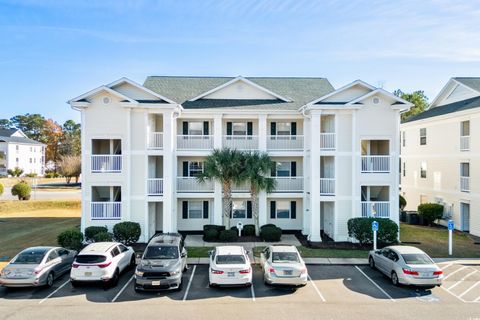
(102, 261)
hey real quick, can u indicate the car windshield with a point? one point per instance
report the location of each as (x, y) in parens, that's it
(230, 259)
(90, 258)
(161, 252)
(417, 258)
(285, 257)
(30, 257)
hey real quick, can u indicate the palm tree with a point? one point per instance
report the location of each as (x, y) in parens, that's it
(258, 166)
(226, 166)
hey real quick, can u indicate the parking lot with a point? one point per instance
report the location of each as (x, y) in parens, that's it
(335, 290)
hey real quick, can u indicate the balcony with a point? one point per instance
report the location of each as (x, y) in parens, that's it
(376, 209)
(464, 143)
(327, 141)
(191, 184)
(375, 164)
(155, 186)
(289, 184)
(194, 142)
(106, 210)
(244, 188)
(240, 142)
(327, 186)
(108, 163)
(465, 184)
(284, 143)
(155, 140)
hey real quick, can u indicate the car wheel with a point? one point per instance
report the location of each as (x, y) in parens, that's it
(371, 262)
(114, 280)
(74, 283)
(211, 285)
(185, 268)
(132, 262)
(49, 281)
(395, 281)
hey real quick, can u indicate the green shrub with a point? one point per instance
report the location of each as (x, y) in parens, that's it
(268, 225)
(127, 232)
(228, 236)
(51, 174)
(270, 233)
(402, 202)
(1, 189)
(31, 175)
(361, 229)
(22, 190)
(248, 230)
(213, 226)
(15, 172)
(71, 239)
(430, 212)
(210, 235)
(103, 237)
(90, 232)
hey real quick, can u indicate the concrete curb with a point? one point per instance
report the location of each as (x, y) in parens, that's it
(309, 261)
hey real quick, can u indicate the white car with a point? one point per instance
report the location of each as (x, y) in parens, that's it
(229, 265)
(406, 265)
(102, 261)
(282, 264)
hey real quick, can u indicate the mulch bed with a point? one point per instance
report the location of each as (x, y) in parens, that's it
(328, 243)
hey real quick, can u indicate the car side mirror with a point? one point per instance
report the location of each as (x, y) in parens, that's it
(183, 255)
(378, 252)
(210, 253)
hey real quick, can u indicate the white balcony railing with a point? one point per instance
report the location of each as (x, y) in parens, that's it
(106, 210)
(3, 171)
(155, 140)
(285, 143)
(244, 187)
(288, 184)
(327, 186)
(327, 141)
(106, 163)
(155, 186)
(465, 184)
(240, 142)
(191, 184)
(375, 163)
(379, 209)
(464, 143)
(194, 142)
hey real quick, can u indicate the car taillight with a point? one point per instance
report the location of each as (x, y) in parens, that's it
(271, 270)
(75, 265)
(410, 272)
(437, 273)
(303, 271)
(216, 271)
(245, 271)
(37, 270)
(104, 265)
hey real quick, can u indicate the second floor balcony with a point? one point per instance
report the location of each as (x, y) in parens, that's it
(375, 164)
(288, 184)
(464, 143)
(195, 142)
(106, 163)
(327, 186)
(155, 186)
(155, 140)
(106, 210)
(240, 142)
(191, 184)
(378, 209)
(284, 142)
(327, 140)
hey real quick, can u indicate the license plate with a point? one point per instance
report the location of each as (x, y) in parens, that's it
(425, 274)
(155, 283)
(231, 274)
(88, 274)
(287, 272)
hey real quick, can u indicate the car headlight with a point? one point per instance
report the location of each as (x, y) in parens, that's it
(139, 273)
(176, 272)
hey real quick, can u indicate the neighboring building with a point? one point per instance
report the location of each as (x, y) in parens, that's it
(17, 150)
(441, 154)
(336, 151)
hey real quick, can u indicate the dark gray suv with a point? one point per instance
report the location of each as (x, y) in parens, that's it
(162, 264)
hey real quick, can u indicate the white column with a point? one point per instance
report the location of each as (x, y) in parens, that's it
(315, 178)
(217, 191)
(356, 205)
(86, 153)
(262, 146)
(306, 177)
(169, 199)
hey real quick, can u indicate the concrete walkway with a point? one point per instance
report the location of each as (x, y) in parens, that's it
(197, 241)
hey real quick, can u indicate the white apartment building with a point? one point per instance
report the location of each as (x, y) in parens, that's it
(17, 150)
(441, 154)
(336, 152)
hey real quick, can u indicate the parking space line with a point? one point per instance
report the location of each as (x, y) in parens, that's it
(253, 292)
(316, 289)
(189, 283)
(123, 288)
(477, 300)
(56, 290)
(458, 270)
(469, 289)
(375, 284)
(453, 294)
(462, 280)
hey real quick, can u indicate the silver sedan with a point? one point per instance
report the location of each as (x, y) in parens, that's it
(283, 265)
(406, 265)
(37, 266)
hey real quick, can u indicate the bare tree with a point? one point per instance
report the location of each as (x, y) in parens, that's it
(70, 167)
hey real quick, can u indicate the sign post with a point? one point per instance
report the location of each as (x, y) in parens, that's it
(451, 226)
(240, 228)
(374, 229)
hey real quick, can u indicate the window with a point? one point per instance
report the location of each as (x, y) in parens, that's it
(283, 169)
(115, 252)
(283, 209)
(195, 168)
(403, 138)
(403, 169)
(31, 149)
(62, 252)
(122, 248)
(239, 128)
(465, 169)
(52, 255)
(195, 128)
(423, 170)
(195, 209)
(423, 136)
(284, 128)
(239, 209)
(16, 160)
(16, 147)
(30, 160)
(465, 128)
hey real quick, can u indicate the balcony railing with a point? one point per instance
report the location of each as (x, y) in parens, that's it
(155, 186)
(327, 186)
(106, 163)
(240, 142)
(379, 209)
(244, 187)
(289, 184)
(155, 140)
(375, 163)
(194, 142)
(191, 184)
(327, 141)
(464, 143)
(285, 143)
(106, 210)
(465, 184)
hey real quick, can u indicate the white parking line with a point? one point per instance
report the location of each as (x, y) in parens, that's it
(253, 292)
(470, 289)
(447, 266)
(477, 300)
(375, 284)
(56, 290)
(462, 280)
(189, 283)
(123, 288)
(316, 289)
(458, 270)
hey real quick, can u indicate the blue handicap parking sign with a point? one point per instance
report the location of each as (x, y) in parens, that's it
(374, 226)
(451, 225)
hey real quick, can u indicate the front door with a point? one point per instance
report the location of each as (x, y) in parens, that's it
(465, 216)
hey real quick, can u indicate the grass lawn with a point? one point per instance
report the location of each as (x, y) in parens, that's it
(434, 241)
(198, 252)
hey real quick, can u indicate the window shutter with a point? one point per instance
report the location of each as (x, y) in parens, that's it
(229, 128)
(293, 130)
(205, 128)
(231, 212)
(249, 128)
(273, 209)
(249, 209)
(273, 171)
(185, 168)
(273, 128)
(205, 209)
(185, 127)
(185, 209)
(293, 210)
(293, 168)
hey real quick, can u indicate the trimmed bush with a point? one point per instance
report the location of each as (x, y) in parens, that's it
(248, 230)
(213, 226)
(402, 202)
(31, 175)
(361, 229)
(71, 239)
(228, 236)
(103, 237)
(51, 174)
(90, 232)
(15, 172)
(270, 233)
(267, 226)
(210, 235)
(127, 232)
(430, 212)
(22, 190)
(1, 189)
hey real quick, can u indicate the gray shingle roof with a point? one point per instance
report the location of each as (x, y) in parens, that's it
(472, 82)
(181, 89)
(446, 109)
(6, 136)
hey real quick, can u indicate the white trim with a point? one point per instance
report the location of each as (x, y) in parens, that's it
(408, 105)
(240, 78)
(97, 90)
(133, 83)
(448, 85)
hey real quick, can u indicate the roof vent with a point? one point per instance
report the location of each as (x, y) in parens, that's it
(376, 100)
(106, 100)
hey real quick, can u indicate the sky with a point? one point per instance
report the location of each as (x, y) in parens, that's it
(52, 51)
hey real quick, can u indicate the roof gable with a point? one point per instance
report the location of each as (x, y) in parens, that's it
(457, 89)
